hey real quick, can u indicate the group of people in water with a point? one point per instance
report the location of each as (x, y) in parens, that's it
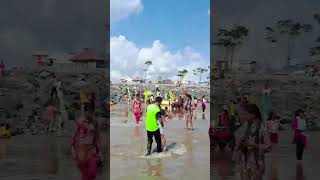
(85, 142)
(256, 133)
(159, 109)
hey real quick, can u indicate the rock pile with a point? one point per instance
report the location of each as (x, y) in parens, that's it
(24, 94)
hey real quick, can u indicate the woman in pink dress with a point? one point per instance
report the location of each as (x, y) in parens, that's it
(203, 104)
(136, 108)
(300, 138)
(86, 146)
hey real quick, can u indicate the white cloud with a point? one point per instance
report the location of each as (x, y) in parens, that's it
(127, 60)
(121, 9)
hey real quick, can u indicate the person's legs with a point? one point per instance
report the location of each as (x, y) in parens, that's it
(299, 150)
(150, 140)
(190, 120)
(157, 136)
(137, 116)
(92, 167)
(82, 165)
(164, 142)
(187, 119)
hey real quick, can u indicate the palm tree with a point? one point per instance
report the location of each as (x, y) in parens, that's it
(198, 72)
(230, 39)
(287, 30)
(147, 65)
(182, 74)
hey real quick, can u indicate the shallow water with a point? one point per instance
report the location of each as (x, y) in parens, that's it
(128, 144)
(281, 163)
(38, 158)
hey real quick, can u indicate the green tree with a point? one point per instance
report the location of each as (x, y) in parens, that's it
(198, 72)
(147, 65)
(230, 39)
(182, 74)
(288, 31)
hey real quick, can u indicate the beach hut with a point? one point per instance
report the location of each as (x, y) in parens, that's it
(40, 58)
(89, 58)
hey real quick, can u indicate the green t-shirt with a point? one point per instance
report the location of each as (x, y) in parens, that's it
(151, 117)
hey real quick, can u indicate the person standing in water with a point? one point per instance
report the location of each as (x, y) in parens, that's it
(189, 107)
(203, 104)
(2, 69)
(161, 128)
(266, 101)
(86, 146)
(136, 108)
(253, 144)
(153, 115)
(273, 124)
(300, 138)
(52, 111)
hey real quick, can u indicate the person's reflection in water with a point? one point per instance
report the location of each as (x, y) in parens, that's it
(136, 133)
(154, 167)
(273, 173)
(221, 161)
(299, 172)
(179, 114)
(203, 116)
(3, 148)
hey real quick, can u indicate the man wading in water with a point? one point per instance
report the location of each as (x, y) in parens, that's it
(153, 115)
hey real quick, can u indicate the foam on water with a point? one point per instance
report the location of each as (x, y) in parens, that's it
(176, 150)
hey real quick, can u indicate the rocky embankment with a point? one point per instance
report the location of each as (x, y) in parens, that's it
(288, 94)
(118, 91)
(24, 94)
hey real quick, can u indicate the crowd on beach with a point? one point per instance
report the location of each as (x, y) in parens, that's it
(251, 133)
(160, 106)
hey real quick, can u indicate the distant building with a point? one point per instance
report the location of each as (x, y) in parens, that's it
(90, 58)
(167, 81)
(136, 80)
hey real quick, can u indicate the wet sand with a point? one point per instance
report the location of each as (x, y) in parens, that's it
(38, 158)
(281, 164)
(128, 144)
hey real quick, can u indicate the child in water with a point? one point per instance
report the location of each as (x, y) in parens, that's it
(273, 124)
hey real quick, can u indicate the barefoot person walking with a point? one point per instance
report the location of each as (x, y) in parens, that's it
(136, 108)
(300, 138)
(153, 115)
(86, 146)
(189, 107)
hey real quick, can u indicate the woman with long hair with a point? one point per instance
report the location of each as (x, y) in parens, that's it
(189, 107)
(86, 146)
(253, 144)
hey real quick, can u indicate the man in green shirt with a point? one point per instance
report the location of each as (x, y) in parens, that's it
(152, 116)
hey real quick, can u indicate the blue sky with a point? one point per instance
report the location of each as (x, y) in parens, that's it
(175, 36)
(175, 23)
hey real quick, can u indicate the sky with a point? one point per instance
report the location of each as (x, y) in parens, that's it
(256, 15)
(172, 34)
(49, 25)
